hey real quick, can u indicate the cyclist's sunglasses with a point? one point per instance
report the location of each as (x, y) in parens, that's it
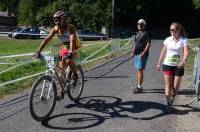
(56, 20)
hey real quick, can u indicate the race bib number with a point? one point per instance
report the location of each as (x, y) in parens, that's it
(173, 60)
(50, 61)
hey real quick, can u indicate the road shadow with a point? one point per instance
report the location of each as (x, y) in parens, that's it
(97, 77)
(153, 90)
(108, 107)
(186, 92)
(118, 107)
(180, 92)
(73, 121)
(115, 109)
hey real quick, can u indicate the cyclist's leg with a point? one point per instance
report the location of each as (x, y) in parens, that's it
(62, 66)
(72, 65)
(70, 61)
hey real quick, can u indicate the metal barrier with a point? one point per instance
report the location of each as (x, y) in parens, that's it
(88, 59)
(196, 75)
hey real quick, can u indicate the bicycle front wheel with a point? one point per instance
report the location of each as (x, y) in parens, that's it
(74, 91)
(42, 98)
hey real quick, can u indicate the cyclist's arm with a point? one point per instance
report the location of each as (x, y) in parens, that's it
(72, 38)
(47, 39)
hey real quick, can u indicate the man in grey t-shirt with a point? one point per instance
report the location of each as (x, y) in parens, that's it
(141, 52)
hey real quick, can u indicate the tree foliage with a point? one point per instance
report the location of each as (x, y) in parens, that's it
(91, 14)
(94, 14)
(196, 4)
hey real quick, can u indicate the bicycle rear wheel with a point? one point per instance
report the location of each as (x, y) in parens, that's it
(42, 98)
(74, 92)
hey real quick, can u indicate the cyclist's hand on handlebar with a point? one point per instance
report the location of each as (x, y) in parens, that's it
(38, 55)
(71, 52)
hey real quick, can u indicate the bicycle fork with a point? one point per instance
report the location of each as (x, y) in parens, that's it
(50, 86)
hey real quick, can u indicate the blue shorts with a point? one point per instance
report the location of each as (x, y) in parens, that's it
(140, 63)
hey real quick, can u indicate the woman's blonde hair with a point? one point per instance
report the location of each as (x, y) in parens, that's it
(180, 29)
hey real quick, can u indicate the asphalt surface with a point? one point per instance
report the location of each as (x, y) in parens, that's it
(107, 103)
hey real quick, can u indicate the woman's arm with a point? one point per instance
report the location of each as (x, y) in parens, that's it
(185, 56)
(162, 56)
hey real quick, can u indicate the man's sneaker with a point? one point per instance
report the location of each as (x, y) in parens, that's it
(137, 90)
(60, 96)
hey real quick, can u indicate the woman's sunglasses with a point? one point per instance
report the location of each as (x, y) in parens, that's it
(172, 29)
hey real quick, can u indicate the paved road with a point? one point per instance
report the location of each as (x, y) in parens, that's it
(107, 104)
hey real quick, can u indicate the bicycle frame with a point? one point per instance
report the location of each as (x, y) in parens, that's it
(52, 71)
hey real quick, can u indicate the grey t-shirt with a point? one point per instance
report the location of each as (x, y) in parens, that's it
(141, 40)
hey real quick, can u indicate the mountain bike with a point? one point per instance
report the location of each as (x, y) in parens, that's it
(46, 89)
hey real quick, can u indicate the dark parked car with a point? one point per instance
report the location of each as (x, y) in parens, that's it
(43, 33)
(14, 31)
(91, 35)
(31, 33)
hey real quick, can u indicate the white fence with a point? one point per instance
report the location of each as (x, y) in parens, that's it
(197, 71)
(88, 59)
(195, 76)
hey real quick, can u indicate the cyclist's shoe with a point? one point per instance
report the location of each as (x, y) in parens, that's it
(75, 78)
(172, 100)
(137, 90)
(60, 96)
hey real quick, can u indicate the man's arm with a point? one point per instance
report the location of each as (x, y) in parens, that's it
(133, 49)
(147, 47)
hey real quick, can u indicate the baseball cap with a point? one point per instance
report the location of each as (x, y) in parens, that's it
(142, 21)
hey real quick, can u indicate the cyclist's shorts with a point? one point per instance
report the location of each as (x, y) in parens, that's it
(63, 52)
(173, 70)
(140, 63)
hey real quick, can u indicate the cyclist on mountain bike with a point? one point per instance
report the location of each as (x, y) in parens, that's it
(67, 35)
